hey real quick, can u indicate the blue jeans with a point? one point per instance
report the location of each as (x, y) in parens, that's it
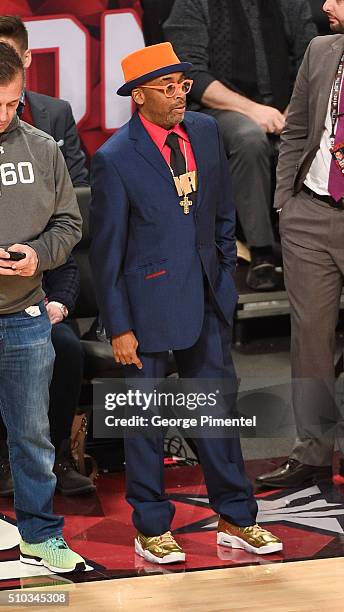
(26, 366)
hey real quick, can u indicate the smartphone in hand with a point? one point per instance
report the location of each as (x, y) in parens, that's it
(13, 256)
(16, 255)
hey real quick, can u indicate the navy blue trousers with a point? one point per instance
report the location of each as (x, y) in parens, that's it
(230, 492)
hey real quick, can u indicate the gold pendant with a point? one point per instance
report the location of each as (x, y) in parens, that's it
(186, 183)
(186, 203)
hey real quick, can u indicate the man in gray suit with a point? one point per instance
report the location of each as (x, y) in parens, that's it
(310, 196)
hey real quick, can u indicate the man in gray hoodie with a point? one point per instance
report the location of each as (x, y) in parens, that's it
(40, 224)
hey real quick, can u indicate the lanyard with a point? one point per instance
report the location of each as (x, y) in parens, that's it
(335, 99)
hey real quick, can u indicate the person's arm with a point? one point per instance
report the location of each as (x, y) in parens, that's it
(73, 154)
(225, 212)
(109, 230)
(109, 214)
(63, 231)
(63, 284)
(221, 97)
(188, 30)
(294, 136)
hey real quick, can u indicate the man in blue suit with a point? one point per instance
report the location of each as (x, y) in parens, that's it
(163, 254)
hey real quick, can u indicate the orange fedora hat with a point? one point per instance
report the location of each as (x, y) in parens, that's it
(149, 63)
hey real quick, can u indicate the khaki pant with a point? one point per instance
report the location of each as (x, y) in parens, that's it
(312, 234)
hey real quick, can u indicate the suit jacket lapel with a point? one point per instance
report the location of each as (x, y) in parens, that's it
(326, 72)
(145, 146)
(39, 112)
(197, 144)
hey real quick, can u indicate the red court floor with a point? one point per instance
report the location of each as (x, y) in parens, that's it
(310, 521)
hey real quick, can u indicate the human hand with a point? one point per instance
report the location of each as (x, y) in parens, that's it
(124, 349)
(24, 267)
(54, 313)
(268, 118)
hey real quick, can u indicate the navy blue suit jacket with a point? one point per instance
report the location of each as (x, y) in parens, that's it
(149, 258)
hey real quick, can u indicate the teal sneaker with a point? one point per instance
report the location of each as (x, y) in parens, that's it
(53, 554)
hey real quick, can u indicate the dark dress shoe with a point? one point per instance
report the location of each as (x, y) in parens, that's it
(261, 275)
(294, 474)
(6, 482)
(69, 480)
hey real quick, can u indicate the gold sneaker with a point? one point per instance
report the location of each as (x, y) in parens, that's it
(159, 549)
(253, 539)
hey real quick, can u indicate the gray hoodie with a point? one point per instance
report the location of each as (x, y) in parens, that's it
(38, 207)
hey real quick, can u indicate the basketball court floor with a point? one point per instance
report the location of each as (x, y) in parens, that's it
(308, 575)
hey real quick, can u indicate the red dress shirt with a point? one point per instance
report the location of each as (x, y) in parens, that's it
(159, 135)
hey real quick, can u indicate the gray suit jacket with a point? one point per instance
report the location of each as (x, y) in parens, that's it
(301, 137)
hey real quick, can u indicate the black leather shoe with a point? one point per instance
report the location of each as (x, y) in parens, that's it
(261, 275)
(294, 474)
(6, 482)
(69, 480)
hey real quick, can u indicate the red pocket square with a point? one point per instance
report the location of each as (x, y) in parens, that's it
(155, 274)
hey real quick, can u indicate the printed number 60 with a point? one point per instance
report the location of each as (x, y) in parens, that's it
(9, 174)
